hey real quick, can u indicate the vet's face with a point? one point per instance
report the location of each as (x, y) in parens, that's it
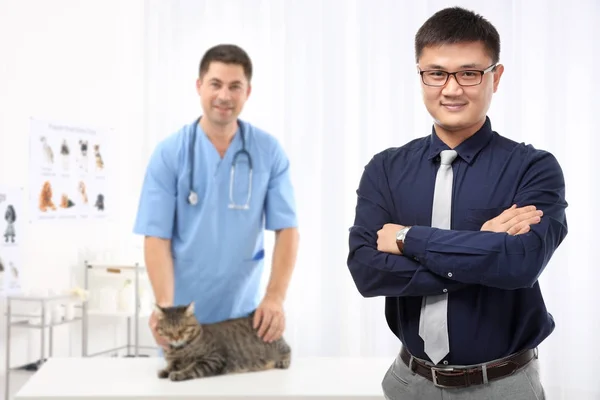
(223, 91)
(452, 106)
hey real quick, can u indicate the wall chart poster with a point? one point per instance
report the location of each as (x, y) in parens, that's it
(11, 231)
(67, 172)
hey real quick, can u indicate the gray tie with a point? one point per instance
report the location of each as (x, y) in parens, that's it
(433, 326)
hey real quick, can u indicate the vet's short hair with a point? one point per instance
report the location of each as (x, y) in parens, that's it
(228, 54)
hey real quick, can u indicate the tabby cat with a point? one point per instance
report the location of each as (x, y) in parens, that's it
(202, 350)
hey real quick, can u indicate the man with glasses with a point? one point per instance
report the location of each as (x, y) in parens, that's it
(455, 228)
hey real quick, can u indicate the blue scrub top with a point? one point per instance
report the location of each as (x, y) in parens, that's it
(218, 252)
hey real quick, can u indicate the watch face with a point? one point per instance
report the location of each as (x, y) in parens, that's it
(401, 234)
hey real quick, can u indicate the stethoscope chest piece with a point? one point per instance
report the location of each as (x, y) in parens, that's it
(193, 198)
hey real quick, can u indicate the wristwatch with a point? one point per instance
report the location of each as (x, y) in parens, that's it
(400, 236)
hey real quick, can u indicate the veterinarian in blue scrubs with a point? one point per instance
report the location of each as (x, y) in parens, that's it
(204, 227)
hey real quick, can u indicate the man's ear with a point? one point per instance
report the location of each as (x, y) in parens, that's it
(198, 84)
(189, 311)
(497, 75)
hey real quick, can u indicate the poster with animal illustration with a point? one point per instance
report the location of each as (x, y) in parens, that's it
(11, 229)
(68, 172)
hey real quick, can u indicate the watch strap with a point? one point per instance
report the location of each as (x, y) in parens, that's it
(400, 244)
(400, 240)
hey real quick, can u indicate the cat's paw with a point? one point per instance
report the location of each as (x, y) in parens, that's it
(283, 364)
(177, 376)
(163, 373)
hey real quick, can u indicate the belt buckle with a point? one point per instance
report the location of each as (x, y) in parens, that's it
(435, 370)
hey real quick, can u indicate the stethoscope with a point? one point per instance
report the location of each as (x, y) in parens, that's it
(193, 196)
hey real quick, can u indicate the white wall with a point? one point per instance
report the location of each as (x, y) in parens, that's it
(76, 62)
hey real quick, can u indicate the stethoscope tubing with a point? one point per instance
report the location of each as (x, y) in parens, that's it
(193, 196)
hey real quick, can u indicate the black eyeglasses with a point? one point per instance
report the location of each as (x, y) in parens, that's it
(468, 77)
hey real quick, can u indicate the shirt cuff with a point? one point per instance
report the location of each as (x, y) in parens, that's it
(415, 242)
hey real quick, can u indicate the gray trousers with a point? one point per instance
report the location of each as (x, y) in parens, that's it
(400, 383)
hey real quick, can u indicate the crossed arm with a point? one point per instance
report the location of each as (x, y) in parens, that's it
(437, 259)
(380, 273)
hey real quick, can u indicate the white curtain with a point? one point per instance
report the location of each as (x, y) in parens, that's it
(335, 82)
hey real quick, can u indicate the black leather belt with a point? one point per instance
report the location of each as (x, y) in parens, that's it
(449, 377)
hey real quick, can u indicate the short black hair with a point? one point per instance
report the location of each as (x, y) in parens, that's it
(228, 54)
(457, 25)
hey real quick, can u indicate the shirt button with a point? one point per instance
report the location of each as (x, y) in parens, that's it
(450, 274)
(445, 290)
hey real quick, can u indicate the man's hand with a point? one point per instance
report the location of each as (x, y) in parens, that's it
(386, 238)
(270, 319)
(514, 221)
(161, 341)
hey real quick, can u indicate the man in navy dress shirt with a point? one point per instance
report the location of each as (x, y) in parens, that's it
(507, 220)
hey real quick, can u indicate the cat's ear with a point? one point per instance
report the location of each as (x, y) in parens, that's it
(189, 311)
(159, 311)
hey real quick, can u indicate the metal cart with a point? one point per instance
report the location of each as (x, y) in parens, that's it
(23, 321)
(134, 272)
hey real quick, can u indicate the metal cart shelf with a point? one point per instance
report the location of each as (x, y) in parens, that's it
(133, 272)
(23, 321)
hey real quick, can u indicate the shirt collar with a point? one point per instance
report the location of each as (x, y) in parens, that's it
(468, 149)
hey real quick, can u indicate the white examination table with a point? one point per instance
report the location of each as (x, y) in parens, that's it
(100, 378)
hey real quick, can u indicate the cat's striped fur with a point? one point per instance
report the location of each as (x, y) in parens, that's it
(203, 350)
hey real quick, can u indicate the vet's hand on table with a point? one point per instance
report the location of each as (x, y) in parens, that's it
(386, 238)
(514, 221)
(162, 342)
(270, 319)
